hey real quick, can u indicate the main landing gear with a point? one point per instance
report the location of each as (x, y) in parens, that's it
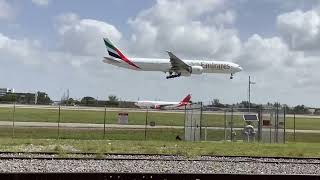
(231, 77)
(171, 75)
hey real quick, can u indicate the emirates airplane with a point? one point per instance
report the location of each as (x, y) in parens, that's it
(164, 104)
(174, 66)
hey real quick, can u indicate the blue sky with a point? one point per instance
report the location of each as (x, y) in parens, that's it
(52, 46)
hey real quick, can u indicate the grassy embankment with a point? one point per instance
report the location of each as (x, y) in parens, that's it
(162, 147)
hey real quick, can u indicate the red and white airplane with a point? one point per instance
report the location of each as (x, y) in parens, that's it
(174, 66)
(164, 104)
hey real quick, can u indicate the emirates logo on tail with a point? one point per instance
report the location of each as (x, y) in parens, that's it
(116, 53)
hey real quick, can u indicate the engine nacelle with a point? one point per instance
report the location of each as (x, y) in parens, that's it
(196, 69)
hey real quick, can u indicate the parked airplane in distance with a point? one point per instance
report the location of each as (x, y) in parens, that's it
(164, 104)
(174, 66)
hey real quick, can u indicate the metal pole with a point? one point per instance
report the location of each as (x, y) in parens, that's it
(13, 118)
(249, 93)
(284, 125)
(201, 120)
(225, 125)
(104, 121)
(231, 124)
(59, 118)
(294, 127)
(260, 111)
(270, 135)
(193, 126)
(185, 116)
(145, 129)
(277, 124)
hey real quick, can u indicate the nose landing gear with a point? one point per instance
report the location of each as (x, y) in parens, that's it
(231, 77)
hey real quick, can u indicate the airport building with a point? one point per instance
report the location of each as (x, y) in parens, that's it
(4, 91)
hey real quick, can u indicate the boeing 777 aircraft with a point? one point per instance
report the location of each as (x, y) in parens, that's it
(164, 104)
(174, 66)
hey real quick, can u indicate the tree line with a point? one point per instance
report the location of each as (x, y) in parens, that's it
(42, 98)
(298, 109)
(26, 98)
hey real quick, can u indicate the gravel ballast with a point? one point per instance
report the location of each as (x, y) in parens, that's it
(161, 164)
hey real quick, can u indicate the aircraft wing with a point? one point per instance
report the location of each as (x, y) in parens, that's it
(177, 64)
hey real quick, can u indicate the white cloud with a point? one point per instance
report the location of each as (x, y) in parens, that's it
(225, 18)
(301, 29)
(25, 51)
(6, 10)
(178, 26)
(41, 2)
(84, 36)
(259, 54)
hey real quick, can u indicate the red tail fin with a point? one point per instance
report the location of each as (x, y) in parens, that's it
(186, 99)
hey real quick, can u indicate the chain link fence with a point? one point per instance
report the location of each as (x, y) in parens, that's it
(192, 123)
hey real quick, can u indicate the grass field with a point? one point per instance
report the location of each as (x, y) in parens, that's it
(71, 116)
(303, 123)
(132, 134)
(161, 147)
(139, 118)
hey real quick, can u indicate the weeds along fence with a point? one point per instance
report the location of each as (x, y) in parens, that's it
(212, 124)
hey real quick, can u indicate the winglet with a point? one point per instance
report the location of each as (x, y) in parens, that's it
(171, 55)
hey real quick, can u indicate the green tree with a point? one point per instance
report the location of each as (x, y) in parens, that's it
(113, 98)
(88, 100)
(43, 98)
(301, 109)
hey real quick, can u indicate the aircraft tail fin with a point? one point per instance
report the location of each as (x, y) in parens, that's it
(113, 50)
(186, 99)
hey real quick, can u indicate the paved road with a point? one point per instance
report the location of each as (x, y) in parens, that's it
(118, 126)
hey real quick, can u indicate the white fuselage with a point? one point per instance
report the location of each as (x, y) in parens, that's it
(164, 65)
(158, 104)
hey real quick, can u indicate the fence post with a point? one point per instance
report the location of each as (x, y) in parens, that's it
(13, 118)
(231, 124)
(201, 121)
(104, 121)
(184, 121)
(59, 118)
(225, 125)
(145, 128)
(284, 125)
(277, 123)
(294, 127)
(259, 123)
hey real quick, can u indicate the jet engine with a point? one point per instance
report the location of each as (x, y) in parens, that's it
(196, 69)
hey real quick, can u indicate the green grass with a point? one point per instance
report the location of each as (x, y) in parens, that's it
(133, 134)
(164, 147)
(303, 123)
(93, 134)
(83, 116)
(303, 137)
(137, 118)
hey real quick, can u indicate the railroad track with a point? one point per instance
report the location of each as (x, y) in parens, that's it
(153, 157)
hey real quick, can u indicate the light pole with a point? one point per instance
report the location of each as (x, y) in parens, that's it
(250, 82)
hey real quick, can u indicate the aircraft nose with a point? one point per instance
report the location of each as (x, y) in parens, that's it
(239, 68)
